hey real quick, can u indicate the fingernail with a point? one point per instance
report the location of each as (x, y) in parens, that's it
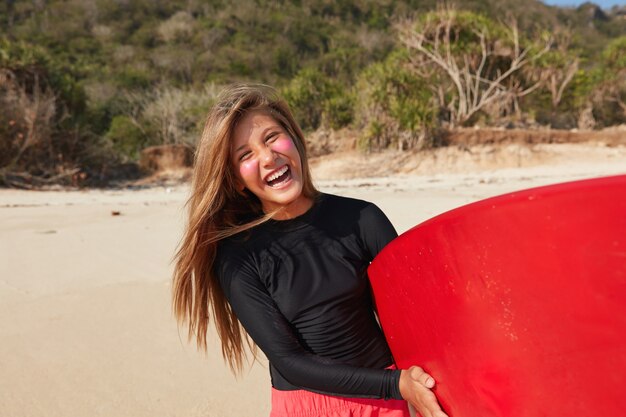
(430, 383)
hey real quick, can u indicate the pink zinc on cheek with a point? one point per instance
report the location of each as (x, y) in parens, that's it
(283, 144)
(249, 167)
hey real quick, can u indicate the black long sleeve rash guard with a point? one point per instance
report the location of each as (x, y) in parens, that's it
(300, 289)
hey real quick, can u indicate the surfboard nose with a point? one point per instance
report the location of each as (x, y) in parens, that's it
(515, 304)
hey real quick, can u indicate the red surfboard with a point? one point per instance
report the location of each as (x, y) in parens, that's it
(515, 304)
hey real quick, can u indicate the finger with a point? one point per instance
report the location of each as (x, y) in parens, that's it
(431, 407)
(434, 411)
(422, 377)
(435, 408)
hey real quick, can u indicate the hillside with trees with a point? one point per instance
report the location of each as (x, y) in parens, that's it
(85, 85)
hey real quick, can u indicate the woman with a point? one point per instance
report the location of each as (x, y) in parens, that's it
(264, 249)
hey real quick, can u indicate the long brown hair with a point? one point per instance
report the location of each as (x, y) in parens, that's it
(218, 210)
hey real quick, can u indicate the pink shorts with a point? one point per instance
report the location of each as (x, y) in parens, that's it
(303, 403)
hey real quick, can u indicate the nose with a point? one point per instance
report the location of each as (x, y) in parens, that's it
(267, 155)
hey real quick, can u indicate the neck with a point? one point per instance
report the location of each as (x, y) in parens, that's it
(292, 210)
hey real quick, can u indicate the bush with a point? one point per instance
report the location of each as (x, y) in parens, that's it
(395, 106)
(167, 115)
(608, 95)
(133, 79)
(317, 100)
(126, 137)
(36, 94)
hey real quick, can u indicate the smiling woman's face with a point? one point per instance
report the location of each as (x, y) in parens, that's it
(267, 162)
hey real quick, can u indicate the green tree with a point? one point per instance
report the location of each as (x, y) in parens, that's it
(477, 61)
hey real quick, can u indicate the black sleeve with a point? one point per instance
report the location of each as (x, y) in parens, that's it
(269, 329)
(376, 230)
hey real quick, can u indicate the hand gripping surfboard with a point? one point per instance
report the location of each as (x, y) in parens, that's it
(515, 304)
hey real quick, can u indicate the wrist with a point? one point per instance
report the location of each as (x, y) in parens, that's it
(403, 383)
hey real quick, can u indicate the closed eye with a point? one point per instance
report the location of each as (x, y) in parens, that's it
(244, 155)
(271, 137)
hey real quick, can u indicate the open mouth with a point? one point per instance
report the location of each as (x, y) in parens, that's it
(278, 177)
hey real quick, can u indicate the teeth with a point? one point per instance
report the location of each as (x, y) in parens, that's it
(277, 174)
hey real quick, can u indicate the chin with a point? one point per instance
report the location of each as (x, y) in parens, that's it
(283, 199)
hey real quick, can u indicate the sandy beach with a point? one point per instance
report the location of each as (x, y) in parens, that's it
(85, 319)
